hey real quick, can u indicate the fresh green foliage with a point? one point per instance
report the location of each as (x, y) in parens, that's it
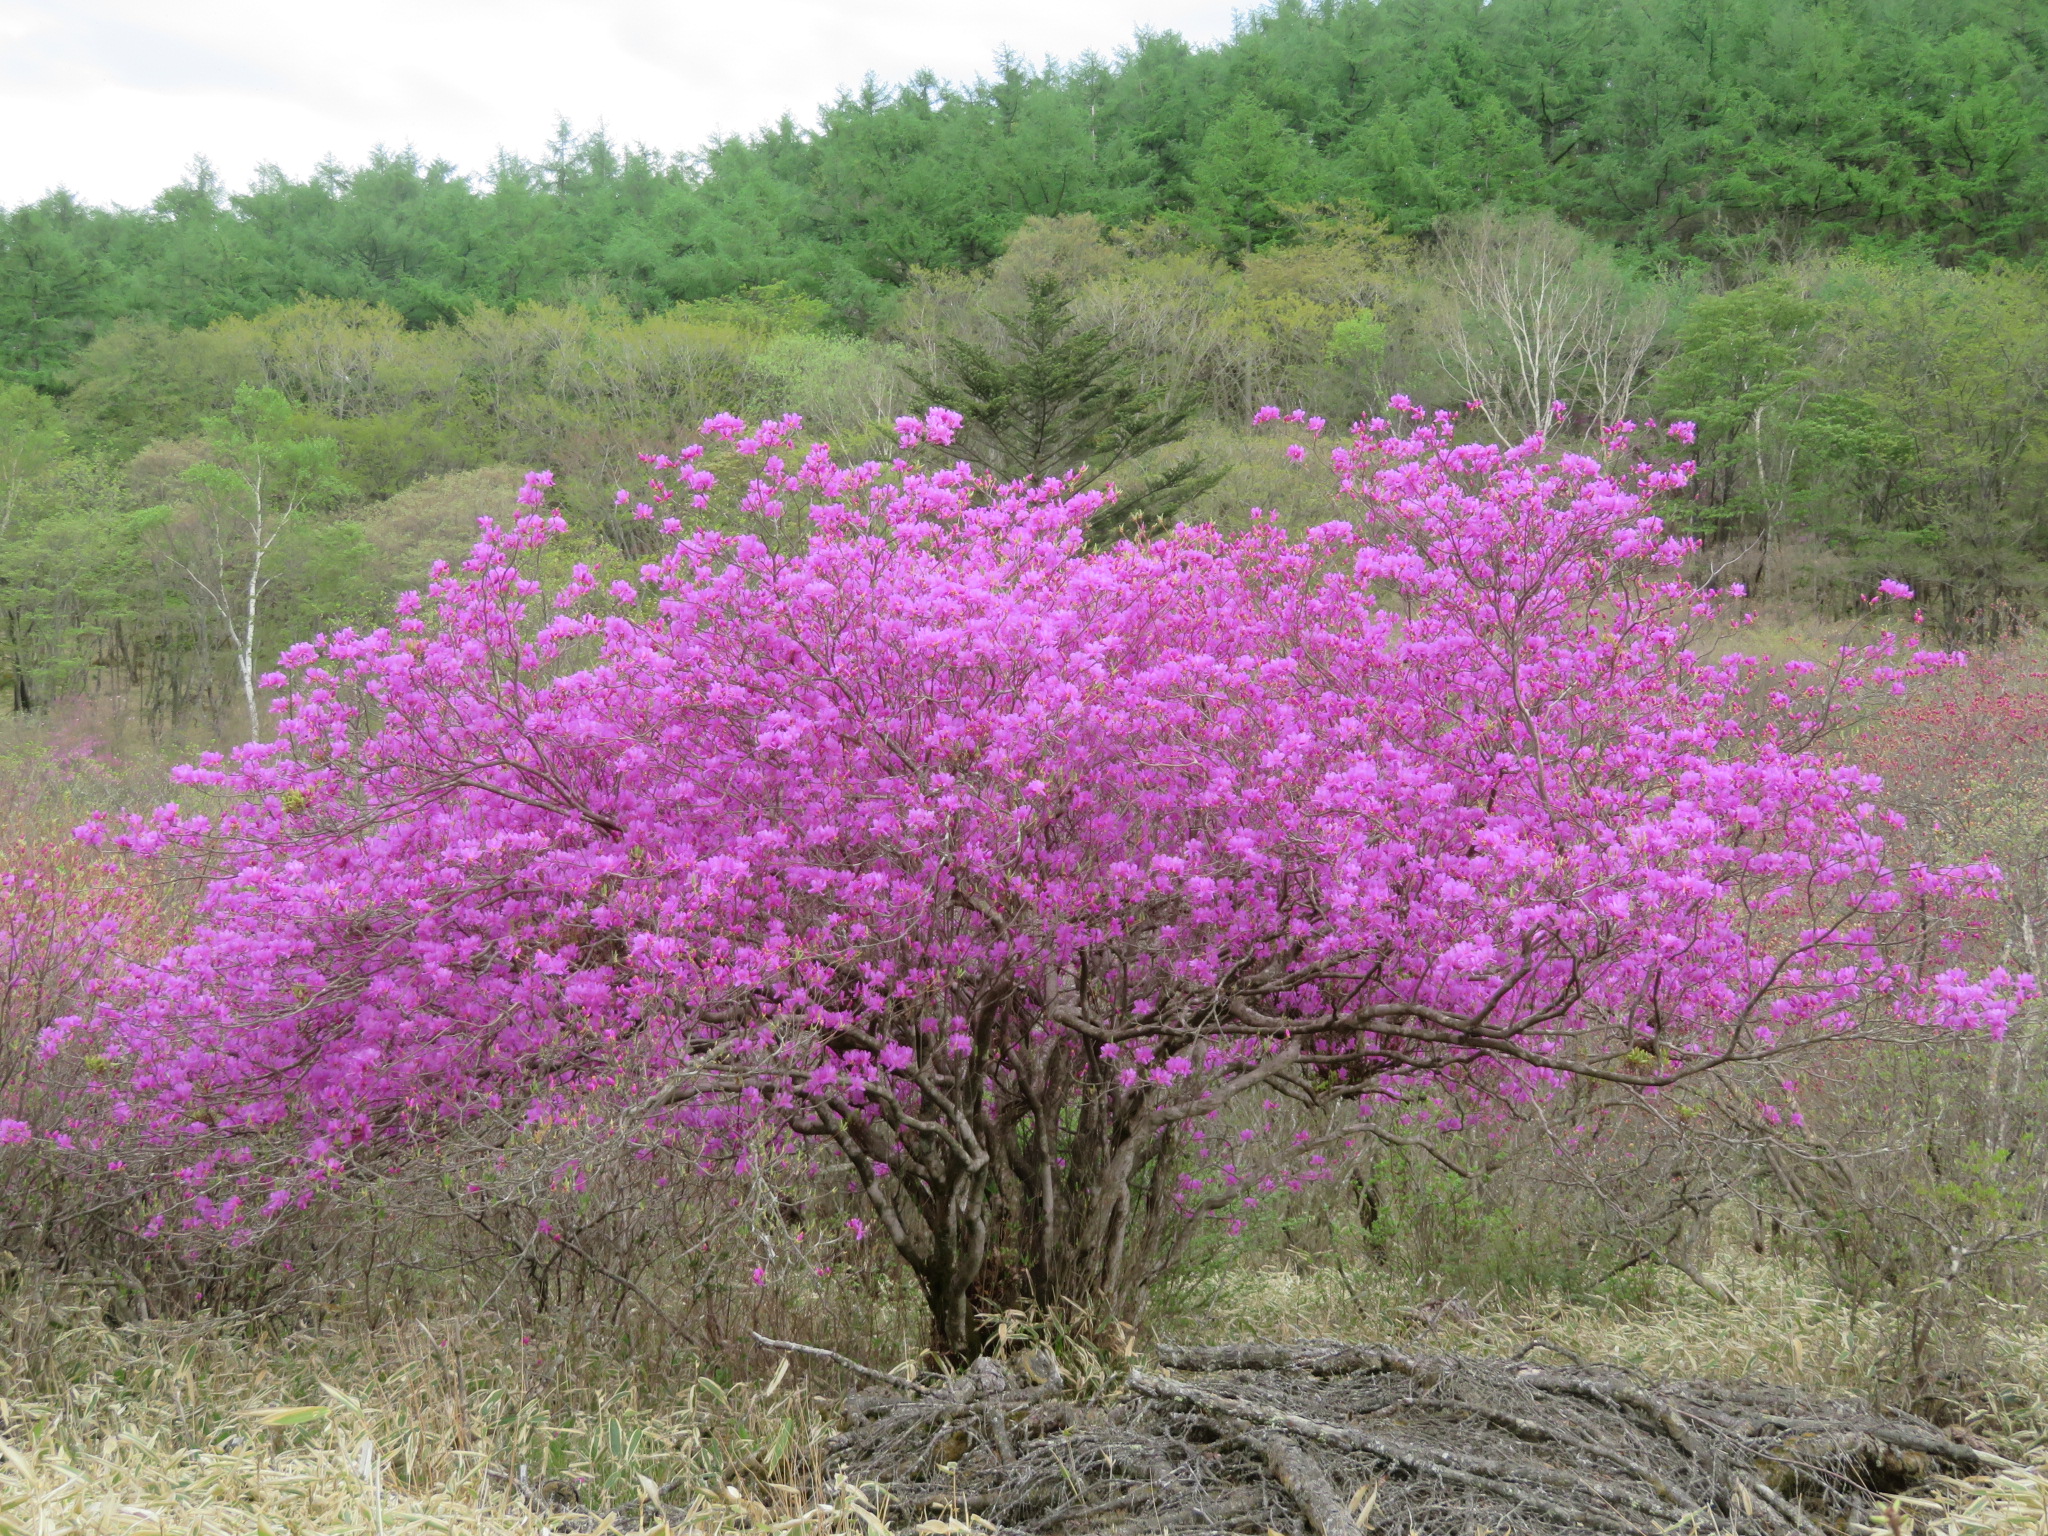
(1253, 167)
(1886, 416)
(243, 520)
(32, 438)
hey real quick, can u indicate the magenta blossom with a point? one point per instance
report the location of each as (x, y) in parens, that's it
(1066, 895)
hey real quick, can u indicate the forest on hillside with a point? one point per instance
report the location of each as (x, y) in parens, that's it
(1719, 135)
(1811, 227)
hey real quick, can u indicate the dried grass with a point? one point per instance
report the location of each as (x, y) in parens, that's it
(210, 1427)
(2009, 1504)
(1783, 1323)
(456, 1424)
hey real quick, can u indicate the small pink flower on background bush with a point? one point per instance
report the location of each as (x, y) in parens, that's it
(1069, 896)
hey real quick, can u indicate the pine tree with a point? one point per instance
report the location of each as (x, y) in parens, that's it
(1059, 397)
(1252, 167)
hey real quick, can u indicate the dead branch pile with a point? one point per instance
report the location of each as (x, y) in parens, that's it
(1330, 1438)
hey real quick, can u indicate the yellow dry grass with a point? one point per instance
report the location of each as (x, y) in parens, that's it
(2010, 1504)
(215, 1428)
(350, 1465)
(1784, 1324)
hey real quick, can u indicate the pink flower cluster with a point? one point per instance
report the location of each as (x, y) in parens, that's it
(909, 836)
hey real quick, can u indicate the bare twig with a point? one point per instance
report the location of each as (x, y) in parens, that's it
(867, 1372)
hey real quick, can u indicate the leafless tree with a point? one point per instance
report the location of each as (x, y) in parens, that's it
(1541, 316)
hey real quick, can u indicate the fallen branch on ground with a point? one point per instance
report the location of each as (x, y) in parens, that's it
(1293, 1438)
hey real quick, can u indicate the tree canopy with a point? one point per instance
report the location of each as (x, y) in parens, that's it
(1709, 131)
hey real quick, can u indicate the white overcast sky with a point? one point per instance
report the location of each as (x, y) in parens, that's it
(114, 98)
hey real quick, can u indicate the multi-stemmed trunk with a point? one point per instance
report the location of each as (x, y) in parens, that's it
(1052, 1191)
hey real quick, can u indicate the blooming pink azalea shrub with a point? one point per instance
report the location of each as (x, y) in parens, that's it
(66, 918)
(1068, 896)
